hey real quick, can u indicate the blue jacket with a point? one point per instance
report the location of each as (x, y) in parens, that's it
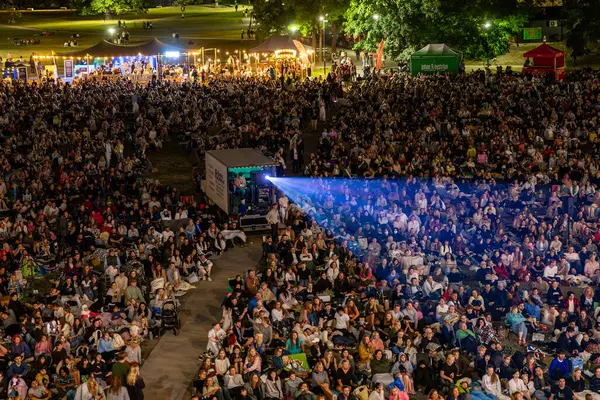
(21, 348)
(398, 383)
(15, 369)
(559, 369)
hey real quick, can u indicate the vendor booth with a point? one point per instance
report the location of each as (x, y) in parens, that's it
(545, 59)
(16, 71)
(435, 58)
(139, 62)
(284, 54)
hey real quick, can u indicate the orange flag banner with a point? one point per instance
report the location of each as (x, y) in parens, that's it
(379, 56)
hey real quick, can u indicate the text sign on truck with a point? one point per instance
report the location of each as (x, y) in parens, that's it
(216, 182)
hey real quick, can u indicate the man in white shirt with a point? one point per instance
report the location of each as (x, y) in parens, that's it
(284, 204)
(233, 380)
(342, 320)
(273, 220)
(166, 234)
(205, 267)
(215, 339)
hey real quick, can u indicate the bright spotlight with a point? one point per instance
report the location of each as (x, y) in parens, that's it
(376, 17)
(268, 177)
(111, 30)
(487, 25)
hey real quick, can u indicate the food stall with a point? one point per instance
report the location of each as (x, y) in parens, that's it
(435, 58)
(545, 59)
(138, 62)
(283, 55)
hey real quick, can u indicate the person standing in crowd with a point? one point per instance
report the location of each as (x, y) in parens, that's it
(273, 220)
(116, 391)
(135, 383)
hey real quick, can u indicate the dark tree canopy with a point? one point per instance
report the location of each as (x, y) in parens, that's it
(479, 28)
(116, 7)
(581, 20)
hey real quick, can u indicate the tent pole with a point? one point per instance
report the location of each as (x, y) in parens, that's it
(158, 68)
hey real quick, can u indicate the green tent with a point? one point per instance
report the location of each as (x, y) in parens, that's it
(435, 58)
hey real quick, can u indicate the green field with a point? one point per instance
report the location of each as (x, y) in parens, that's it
(205, 26)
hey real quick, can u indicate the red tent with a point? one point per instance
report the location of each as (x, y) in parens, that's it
(545, 59)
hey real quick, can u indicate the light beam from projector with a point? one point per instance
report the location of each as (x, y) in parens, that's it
(330, 199)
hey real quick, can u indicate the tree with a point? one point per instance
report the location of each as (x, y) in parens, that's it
(107, 7)
(479, 28)
(335, 10)
(582, 26)
(271, 17)
(274, 17)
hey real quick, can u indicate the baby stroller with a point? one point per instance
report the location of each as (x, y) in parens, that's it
(169, 318)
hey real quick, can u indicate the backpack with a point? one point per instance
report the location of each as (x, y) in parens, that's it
(576, 362)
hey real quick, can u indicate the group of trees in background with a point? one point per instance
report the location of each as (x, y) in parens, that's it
(282, 16)
(581, 18)
(481, 29)
(109, 7)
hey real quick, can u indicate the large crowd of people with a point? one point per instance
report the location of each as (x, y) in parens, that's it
(446, 244)
(92, 255)
(446, 215)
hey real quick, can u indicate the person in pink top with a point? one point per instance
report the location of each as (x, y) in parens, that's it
(397, 394)
(44, 346)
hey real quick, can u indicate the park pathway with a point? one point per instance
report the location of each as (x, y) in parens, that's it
(23, 28)
(173, 364)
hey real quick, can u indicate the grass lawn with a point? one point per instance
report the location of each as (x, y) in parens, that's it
(205, 26)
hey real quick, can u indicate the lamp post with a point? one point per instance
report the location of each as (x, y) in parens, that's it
(111, 31)
(487, 25)
(323, 20)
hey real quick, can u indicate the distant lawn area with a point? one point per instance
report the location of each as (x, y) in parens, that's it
(203, 25)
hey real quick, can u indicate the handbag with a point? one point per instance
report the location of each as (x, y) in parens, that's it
(361, 393)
